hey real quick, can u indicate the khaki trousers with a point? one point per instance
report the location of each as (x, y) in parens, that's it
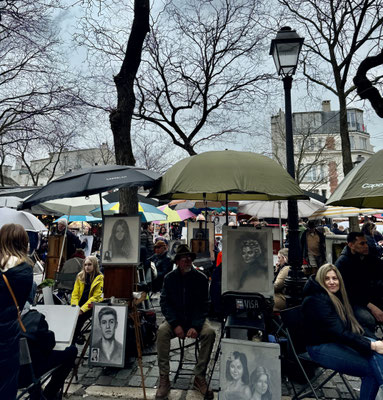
(206, 341)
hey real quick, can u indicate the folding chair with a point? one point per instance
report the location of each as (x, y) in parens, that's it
(34, 387)
(293, 329)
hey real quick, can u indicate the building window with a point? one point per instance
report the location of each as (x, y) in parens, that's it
(363, 143)
(351, 119)
(324, 192)
(352, 142)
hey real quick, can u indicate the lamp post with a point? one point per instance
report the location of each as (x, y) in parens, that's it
(285, 49)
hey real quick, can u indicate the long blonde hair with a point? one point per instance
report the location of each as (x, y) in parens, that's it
(96, 269)
(342, 307)
(13, 242)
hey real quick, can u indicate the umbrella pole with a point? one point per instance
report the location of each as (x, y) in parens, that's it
(227, 208)
(280, 224)
(102, 210)
(62, 247)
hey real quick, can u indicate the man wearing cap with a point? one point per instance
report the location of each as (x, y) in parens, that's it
(73, 242)
(162, 262)
(184, 304)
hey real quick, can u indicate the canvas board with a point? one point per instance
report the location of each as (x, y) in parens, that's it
(247, 260)
(196, 230)
(249, 370)
(121, 240)
(108, 336)
(62, 320)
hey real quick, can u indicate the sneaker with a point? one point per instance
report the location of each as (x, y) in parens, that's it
(200, 384)
(164, 388)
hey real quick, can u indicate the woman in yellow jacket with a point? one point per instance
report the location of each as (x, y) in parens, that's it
(87, 289)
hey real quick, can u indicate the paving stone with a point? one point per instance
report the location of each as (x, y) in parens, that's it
(183, 383)
(88, 381)
(151, 382)
(119, 382)
(154, 372)
(331, 393)
(135, 381)
(124, 374)
(104, 380)
(149, 359)
(173, 366)
(93, 373)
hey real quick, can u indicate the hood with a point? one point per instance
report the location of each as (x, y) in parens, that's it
(312, 287)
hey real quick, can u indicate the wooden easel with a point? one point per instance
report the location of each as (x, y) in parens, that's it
(124, 288)
(55, 243)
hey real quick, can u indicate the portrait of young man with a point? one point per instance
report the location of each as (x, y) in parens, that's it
(106, 349)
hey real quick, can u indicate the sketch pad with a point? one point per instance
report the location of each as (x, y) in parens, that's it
(62, 321)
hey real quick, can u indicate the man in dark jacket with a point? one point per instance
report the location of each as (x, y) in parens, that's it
(313, 245)
(162, 262)
(73, 242)
(184, 304)
(360, 271)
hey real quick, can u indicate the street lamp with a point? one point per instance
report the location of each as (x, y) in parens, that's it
(285, 49)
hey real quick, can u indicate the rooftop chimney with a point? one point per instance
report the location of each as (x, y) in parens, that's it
(326, 105)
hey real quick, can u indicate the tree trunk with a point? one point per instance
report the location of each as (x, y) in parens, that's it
(121, 117)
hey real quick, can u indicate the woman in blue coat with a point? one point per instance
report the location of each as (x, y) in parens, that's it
(334, 337)
(16, 266)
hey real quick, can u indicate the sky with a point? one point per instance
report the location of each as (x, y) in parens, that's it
(67, 20)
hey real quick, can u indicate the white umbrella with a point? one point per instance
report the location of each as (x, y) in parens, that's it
(342, 212)
(277, 209)
(27, 220)
(71, 205)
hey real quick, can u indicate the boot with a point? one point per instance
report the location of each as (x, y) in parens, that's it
(164, 388)
(200, 384)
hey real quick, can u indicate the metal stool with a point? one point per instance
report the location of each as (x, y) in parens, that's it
(181, 360)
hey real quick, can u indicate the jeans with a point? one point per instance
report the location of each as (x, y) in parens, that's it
(366, 319)
(348, 361)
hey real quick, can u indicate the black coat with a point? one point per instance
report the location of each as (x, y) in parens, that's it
(185, 299)
(359, 274)
(163, 265)
(322, 324)
(20, 279)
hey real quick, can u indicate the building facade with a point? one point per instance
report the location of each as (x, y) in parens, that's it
(317, 146)
(57, 164)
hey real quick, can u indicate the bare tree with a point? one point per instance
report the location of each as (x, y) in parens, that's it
(201, 70)
(37, 90)
(337, 34)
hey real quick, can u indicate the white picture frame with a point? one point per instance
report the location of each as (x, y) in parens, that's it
(261, 370)
(220, 220)
(108, 336)
(247, 260)
(123, 249)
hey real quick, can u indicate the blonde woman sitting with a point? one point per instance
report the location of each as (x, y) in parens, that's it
(334, 337)
(87, 290)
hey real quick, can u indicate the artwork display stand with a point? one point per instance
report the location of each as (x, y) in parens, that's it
(133, 303)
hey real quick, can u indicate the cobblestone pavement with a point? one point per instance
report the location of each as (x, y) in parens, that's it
(110, 383)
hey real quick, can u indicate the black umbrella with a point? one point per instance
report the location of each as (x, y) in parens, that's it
(87, 181)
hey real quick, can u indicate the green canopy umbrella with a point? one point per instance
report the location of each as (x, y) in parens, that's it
(227, 175)
(362, 187)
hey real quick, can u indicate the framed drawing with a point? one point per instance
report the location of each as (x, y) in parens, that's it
(220, 220)
(107, 345)
(247, 260)
(201, 240)
(121, 240)
(249, 370)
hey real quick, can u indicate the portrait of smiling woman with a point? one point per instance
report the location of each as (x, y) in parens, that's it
(237, 376)
(121, 240)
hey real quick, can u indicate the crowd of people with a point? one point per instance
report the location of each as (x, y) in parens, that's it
(342, 305)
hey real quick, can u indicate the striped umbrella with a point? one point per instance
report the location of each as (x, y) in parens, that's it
(342, 212)
(148, 212)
